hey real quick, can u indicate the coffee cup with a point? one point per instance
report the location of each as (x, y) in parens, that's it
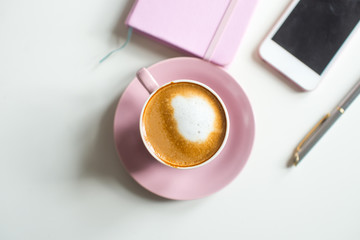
(183, 124)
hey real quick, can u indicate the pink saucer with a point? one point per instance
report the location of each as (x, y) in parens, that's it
(179, 184)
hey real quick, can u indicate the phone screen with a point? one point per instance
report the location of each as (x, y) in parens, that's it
(316, 29)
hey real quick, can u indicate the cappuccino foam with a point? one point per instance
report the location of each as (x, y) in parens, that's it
(184, 124)
(194, 117)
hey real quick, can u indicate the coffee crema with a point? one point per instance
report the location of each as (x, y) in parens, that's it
(184, 124)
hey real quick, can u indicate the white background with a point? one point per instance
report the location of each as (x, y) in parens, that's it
(60, 177)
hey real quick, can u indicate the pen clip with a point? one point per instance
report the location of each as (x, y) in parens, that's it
(298, 148)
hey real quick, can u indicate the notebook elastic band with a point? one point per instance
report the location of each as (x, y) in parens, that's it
(220, 29)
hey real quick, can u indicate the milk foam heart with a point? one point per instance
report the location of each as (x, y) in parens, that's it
(194, 116)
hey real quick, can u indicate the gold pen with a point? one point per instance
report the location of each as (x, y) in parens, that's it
(323, 125)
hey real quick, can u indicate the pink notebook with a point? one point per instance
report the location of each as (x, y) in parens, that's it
(209, 29)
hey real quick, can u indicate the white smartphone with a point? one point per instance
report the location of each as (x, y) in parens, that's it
(307, 37)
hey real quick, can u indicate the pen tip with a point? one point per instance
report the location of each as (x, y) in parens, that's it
(296, 159)
(293, 161)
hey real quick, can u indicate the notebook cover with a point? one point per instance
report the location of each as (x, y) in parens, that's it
(210, 29)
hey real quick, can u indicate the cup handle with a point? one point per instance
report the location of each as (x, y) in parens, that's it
(147, 80)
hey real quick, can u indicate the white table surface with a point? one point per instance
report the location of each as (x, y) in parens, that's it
(60, 177)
